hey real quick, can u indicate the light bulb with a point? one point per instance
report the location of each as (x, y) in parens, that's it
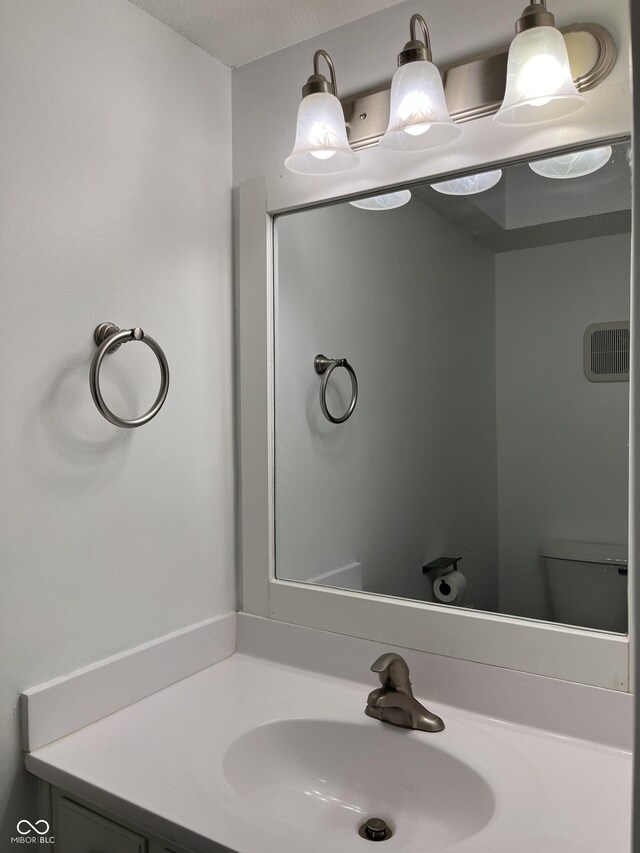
(320, 136)
(469, 184)
(540, 75)
(575, 165)
(415, 111)
(417, 129)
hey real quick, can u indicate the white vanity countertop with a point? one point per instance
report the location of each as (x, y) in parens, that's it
(160, 763)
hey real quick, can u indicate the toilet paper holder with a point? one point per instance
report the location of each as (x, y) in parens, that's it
(440, 566)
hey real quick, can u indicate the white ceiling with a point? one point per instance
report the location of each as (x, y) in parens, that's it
(237, 31)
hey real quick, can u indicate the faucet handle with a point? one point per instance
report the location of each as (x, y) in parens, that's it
(393, 672)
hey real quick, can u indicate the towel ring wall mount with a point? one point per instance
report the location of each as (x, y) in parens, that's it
(324, 367)
(109, 338)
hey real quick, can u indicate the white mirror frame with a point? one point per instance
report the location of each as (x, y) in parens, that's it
(574, 654)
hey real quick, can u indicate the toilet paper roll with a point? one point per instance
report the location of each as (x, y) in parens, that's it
(450, 588)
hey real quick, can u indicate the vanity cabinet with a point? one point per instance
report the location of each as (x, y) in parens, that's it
(79, 827)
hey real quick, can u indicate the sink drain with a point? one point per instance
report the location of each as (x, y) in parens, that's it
(375, 829)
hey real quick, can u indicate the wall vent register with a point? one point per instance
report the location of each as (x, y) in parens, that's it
(606, 352)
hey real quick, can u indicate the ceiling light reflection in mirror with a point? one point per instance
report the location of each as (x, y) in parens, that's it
(388, 201)
(574, 165)
(470, 184)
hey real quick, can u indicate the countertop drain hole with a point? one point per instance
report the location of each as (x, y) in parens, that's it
(375, 829)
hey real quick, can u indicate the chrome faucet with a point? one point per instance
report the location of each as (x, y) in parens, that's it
(394, 702)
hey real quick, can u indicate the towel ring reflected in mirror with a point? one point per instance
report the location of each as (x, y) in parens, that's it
(108, 338)
(324, 367)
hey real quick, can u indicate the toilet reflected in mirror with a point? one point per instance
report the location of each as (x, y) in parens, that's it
(488, 327)
(587, 583)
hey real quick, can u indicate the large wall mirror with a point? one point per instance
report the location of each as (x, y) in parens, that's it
(484, 464)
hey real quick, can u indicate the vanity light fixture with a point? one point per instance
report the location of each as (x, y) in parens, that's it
(574, 165)
(548, 70)
(418, 118)
(321, 146)
(388, 201)
(540, 86)
(470, 184)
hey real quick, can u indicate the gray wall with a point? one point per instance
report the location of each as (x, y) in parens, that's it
(115, 146)
(409, 299)
(562, 440)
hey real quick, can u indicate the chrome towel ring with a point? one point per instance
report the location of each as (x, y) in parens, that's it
(108, 338)
(324, 367)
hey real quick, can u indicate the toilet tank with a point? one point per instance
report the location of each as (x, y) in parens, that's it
(587, 584)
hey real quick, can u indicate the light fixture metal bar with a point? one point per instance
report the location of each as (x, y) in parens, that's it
(474, 87)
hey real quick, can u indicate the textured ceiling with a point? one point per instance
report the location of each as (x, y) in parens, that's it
(237, 31)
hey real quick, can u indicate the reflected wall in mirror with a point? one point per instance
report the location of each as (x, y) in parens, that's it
(485, 464)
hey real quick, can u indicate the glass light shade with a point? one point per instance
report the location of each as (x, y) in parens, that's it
(540, 87)
(469, 185)
(321, 146)
(418, 118)
(573, 165)
(383, 202)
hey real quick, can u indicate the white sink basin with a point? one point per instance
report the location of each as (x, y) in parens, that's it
(327, 777)
(253, 757)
